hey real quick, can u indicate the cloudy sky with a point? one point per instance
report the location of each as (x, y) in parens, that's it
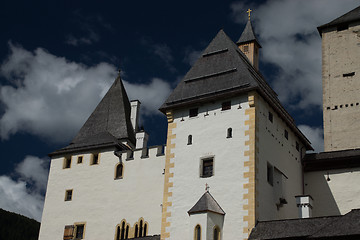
(58, 58)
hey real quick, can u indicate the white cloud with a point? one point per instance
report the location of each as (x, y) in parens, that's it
(25, 194)
(315, 135)
(163, 51)
(288, 35)
(51, 97)
(191, 56)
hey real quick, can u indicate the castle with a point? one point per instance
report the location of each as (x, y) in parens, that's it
(234, 165)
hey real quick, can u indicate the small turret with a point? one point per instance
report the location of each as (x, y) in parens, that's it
(248, 44)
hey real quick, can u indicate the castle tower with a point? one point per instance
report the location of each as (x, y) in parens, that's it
(227, 128)
(249, 44)
(341, 81)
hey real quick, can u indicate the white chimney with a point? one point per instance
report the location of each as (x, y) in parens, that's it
(141, 139)
(134, 116)
(305, 205)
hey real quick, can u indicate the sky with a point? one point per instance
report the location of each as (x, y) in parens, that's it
(58, 59)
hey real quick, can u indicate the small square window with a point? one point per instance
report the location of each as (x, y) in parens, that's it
(297, 146)
(226, 105)
(246, 48)
(80, 159)
(270, 174)
(271, 117)
(67, 162)
(193, 112)
(207, 167)
(286, 134)
(68, 195)
(95, 159)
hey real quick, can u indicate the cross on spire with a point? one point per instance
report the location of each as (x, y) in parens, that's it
(207, 187)
(249, 12)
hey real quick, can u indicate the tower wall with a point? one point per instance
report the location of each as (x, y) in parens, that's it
(341, 86)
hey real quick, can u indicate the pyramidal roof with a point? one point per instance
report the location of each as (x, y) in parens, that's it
(352, 16)
(222, 72)
(248, 35)
(108, 124)
(206, 203)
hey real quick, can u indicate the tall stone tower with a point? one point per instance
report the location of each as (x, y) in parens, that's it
(341, 81)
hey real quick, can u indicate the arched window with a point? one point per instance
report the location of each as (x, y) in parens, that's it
(229, 133)
(197, 233)
(189, 140)
(119, 171)
(216, 233)
(145, 229)
(141, 229)
(122, 231)
(118, 233)
(127, 232)
(136, 231)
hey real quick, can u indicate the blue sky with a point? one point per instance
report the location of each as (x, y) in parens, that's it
(58, 58)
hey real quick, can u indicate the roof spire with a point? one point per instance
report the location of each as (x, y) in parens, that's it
(249, 12)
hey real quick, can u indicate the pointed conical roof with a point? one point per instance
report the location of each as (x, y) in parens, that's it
(352, 16)
(108, 124)
(222, 72)
(206, 203)
(248, 35)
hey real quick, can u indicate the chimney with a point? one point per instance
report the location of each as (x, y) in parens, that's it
(134, 116)
(305, 205)
(141, 139)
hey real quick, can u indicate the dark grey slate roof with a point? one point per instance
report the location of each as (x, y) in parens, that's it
(332, 227)
(352, 16)
(332, 160)
(206, 203)
(248, 35)
(223, 71)
(107, 125)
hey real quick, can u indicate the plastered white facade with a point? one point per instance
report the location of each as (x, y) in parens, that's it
(282, 155)
(337, 196)
(99, 200)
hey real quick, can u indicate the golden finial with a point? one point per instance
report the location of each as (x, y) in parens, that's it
(249, 12)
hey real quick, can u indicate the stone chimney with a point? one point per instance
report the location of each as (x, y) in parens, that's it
(305, 205)
(134, 116)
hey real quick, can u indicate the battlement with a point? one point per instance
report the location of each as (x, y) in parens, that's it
(141, 153)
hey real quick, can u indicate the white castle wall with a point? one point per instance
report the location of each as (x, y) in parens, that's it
(280, 153)
(99, 200)
(209, 131)
(333, 197)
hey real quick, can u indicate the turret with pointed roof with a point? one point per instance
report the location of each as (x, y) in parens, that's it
(108, 125)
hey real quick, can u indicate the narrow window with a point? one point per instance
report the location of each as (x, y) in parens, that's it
(197, 232)
(127, 232)
(122, 236)
(69, 232)
(67, 162)
(136, 231)
(216, 233)
(297, 146)
(79, 231)
(95, 159)
(141, 229)
(270, 117)
(80, 159)
(226, 105)
(118, 233)
(68, 195)
(119, 171)
(189, 140)
(349, 74)
(229, 133)
(145, 229)
(193, 112)
(286, 134)
(270, 174)
(207, 167)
